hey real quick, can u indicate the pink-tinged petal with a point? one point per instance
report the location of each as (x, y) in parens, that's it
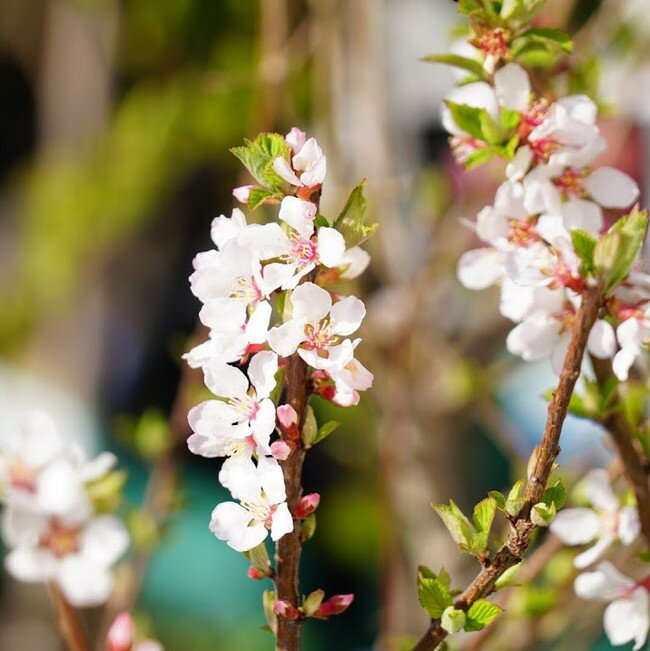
(355, 261)
(629, 525)
(31, 564)
(287, 416)
(298, 214)
(310, 302)
(271, 479)
(224, 380)
(627, 619)
(84, 582)
(104, 539)
(592, 554)
(282, 522)
(575, 526)
(309, 154)
(282, 167)
(611, 188)
(602, 340)
(347, 315)
(285, 339)
(229, 522)
(258, 324)
(308, 504)
(295, 139)
(121, 633)
(480, 268)
(281, 450)
(315, 174)
(598, 490)
(330, 247)
(512, 87)
(261, 371)
(243, 192)
(603, 584)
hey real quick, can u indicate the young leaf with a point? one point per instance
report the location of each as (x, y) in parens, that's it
(549, 37)
(480, 614)
(268, 600)
(468, 118)
(499, 499)
(484, 514)
(352, 222)
(257, 196)
(542, 514)
(515, 501)
(325, 430)
(555, 494)
(508, 577)
(459, 526)
(584, 245)
(433, 595)
(493, 132)
(478, 157)
(453, 620)
(309, 428)
(258, 156)
(471, 65)
(509, 119)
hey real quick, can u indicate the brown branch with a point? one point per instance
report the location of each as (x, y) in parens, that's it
(518, 540)
(624, 438)
(68, 620)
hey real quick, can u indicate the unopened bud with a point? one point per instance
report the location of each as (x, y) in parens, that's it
(307, 505)
(121, 633)
(288, 419)
(334, 605)
(284, 609)
(242, 193)
(255, 574)
(282, 450)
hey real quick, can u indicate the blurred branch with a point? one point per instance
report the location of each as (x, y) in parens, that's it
(68, 621)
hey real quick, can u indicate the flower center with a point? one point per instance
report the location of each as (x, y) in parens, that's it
(247, 290)
(570, 182)
(60, 539)
(522, 233)
(543, 148)
(302, 251)
(247, 406)
(494, 42)
(239, 447)
(261, 511)
(21, 476)
(318, 337)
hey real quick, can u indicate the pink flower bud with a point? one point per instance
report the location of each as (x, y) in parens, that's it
(242, 193)
(284, 609)
(121, 633)
(296, 139)
(288, 419)
(307, 505)
(282, 450)
(254, 573)
(334, 605)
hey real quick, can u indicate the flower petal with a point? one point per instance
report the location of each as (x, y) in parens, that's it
(512, 87)
(598, 490)
(611, 188)
(282, 522)
(261, 371)
(575, 526)
(330, 247)
(480, 268)
(310, 302)
(602, 340)
(627, 619)
(285, 339)
(225, 381)
(346, 315)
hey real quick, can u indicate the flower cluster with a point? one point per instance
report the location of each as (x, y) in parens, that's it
(50, 523)
(546, 218)
(264, 299)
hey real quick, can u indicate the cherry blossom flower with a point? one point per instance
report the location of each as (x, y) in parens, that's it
(241, 422)
(74, 552)
(317, 327)
(627, 617)
(606, 522)
(632, 334)
(263, 508)
(308, 163)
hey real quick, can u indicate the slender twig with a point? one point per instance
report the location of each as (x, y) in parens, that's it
(541, 466)
(623, 436)
(68, 620)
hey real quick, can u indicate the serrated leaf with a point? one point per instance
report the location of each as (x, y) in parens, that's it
(467, 118)
(508, 577)
(555, 494)
(453, 620)
(258, 156)
(460, 528)
(550, 37)
(325, 430)
(257, 196)
(478, 157)
(499, 498)
(584, 245)
(542, 514)
(480, 614)
(470, 7)
(426, 572)
(471, 65)
(434, 597)
(353, 223)
(484, 514)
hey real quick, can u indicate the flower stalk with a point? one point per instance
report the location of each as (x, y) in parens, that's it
(68, 621)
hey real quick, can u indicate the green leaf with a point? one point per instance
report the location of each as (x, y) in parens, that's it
(478, 157)
(325, 430)
(508, 577)
(258, 156)
(453, 620)
(259, 558)
(257, 196)
(480, 614)
(312, 602)
(493, 132)
(309, 428)
(555, 494)
(499, 499)
(268, 600)
(308, 528)
(458, 525)
(426, 572)
(509, 119)
(467, 118)
(616, 250)
(511, 9)
(352, 223)
(484, 514)
(644, 556)
(541, 514)
(320, 220)
(471, 65)
(515, 499)
(470, 7)
(105, 493)
(550, 37)
(433, 595)
(584, 245)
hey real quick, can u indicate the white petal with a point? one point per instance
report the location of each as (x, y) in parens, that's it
(22, 526)
(357, 260)
(603, 584)
(520, 164)
(239, 475)
(592, 554)
(602, 340)
(512, 87)
(263, 424)
(38, 440)
(265, 241)
(271, 479)
(258, 323)
(282, 167)
(104, 539)
(309, 154)
(30, 564)
(480, 268)
(559, 354)
(310, 302)
(261, 371)
(330, 247)
(229, 522)
(298, 214)
(60, 489)
(224, 229)
(315, 175)
(282, 522)
(582, 214)
(575, 526)
(478, 95)
(275, 275)
(286, 338)
(629, 525)
(346, 315)
(598, 490)
(224, 380)
(84, 582)
(627, 619)
(611, 188)
(533, 339)
(295, 139)
(623, 361)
